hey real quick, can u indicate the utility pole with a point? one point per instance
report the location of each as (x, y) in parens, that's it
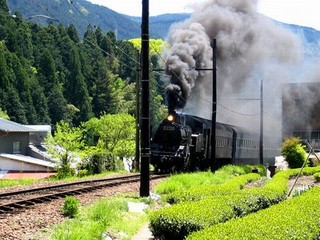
(261, 124)
(145, 104)
(137, 154)
(213, 164)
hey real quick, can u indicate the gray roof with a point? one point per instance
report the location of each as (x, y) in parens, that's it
(27, 159)
(9, 126)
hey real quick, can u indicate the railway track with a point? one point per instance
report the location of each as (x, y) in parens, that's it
(16, 201)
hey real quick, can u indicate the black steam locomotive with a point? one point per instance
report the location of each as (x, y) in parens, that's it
(183, 143)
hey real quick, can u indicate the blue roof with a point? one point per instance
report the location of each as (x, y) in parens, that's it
(9, 126)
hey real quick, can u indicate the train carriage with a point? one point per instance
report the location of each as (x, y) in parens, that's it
(183, 142)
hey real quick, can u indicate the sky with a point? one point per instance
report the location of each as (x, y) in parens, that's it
(299, 12)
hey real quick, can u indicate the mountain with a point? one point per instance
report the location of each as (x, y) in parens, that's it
(159, 25)
(309, 37)
(81, 13)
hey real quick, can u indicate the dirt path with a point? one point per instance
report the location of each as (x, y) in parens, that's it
(143, 234)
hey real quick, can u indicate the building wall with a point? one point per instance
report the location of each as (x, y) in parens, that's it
(7, 140)
(14, 165)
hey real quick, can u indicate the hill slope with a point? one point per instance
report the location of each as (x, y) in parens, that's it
(81, 13)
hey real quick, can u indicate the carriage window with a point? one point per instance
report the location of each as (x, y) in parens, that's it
(315, 135)
(16, 147)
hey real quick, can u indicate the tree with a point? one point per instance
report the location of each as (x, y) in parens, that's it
(64, 145)
(4, 115)
(294, 152)
(128, 61)
(112, 134)
(4, 6)
(76, 89)
(4, 72)
(57, 105)
(156, 45)
(13, 106)
(73, 34)
(158, 110)
(124, 96)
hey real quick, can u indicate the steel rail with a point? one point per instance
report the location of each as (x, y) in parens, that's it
(19, 205)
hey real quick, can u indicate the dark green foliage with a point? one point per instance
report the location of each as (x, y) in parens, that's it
(49, 74)
(294, 152)
(95, 163)
(4, 6)
(57, 104)
(296, 218)
(4, 71)
(64, 171)
(70, 206)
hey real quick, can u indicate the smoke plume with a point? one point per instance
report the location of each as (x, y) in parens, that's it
(251, 50)
(190, 51)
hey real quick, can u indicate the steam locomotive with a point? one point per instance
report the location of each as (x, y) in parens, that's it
(183, 143)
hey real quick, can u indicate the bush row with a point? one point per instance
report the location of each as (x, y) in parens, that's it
(296, 218)
(219, 203)
(178, 221)
(182, 182)
(199, 192)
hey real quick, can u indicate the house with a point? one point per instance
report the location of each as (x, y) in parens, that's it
(21, 148)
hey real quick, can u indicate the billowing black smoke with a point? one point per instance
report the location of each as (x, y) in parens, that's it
(248, 46)
(190, 52)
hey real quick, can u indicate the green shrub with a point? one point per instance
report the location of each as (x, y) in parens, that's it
(224, 203)
(294, 152)
(83, 173)
(317, 176)
(178, 221)
(105, 211)
(181, 182)
(106, 217)
(64, 171)
(219, 203)
(296, 218)
(70, 206)
(199, 192)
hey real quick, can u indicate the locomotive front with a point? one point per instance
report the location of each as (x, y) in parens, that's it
(170, 145)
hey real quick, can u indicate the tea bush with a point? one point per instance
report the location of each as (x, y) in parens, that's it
(294, 152)
(219, 204)
(317, 176)
(297, 218)
(199, 192)
(70, 206)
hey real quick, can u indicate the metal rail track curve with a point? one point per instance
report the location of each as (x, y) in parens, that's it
(12, 201)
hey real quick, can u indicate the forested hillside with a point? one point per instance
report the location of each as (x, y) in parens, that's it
(80, 13)
(48, 74)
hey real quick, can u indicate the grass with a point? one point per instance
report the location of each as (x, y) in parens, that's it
(108, 216)
(4, 183)
(181, 182)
